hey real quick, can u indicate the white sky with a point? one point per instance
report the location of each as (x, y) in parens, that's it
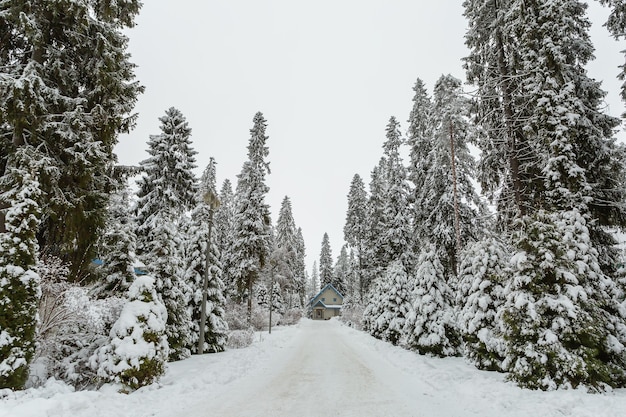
(326, 74)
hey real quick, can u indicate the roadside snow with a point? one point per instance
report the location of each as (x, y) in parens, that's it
(312, 369)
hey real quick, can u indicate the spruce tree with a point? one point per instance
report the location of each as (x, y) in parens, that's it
(223, 230)
(252, 223)
(19, 280)
(395, 303)
(300, 271)
(215, 327)
(287, 243)
(67, 88)
(167, 189)
(430, 326)
(326, 262)
(395, 240)
(355, 229)
(341, 271)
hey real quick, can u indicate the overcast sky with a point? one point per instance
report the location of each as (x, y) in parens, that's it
(327, 75)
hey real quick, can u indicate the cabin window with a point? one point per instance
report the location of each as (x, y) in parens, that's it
(334, 300)
(323, 299)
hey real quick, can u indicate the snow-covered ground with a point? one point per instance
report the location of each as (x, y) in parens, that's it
(314, 369)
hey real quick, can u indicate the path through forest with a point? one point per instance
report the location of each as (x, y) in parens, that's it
(325, 371)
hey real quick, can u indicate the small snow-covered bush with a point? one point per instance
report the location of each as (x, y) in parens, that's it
(138, 349)
(352, 314)
(236, 316)
(291, 317)
(261, 319)
(238, 339)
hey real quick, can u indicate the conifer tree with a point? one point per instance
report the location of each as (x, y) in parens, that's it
(341, 271)
(138, 349)
(223, 230)
(355, 229)
(326, 262)
(395, 303)
(166, 190)
(395, 240)
(480, 297)
(67, 88)
(300, 271)
(119, 245)
(314, 281)
(430, 327)
(252, 232)
(374, 253)
(287, 243)
(19, 280)
(215, 331)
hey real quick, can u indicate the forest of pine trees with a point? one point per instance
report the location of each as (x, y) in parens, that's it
(494, 240)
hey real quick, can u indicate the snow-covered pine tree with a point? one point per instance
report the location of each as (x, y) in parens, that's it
(326, 262)
(395, 303)
(167, 189)
(373, 253)
(374, 308)
(441, 217)
(355, 228)
(138, 349)
(396, 238)
(480, 298)
(430, 326)
(215, 326)
(287, 243)
(277, 299)
(341, 271)
(252, 233)
(119, 245)
(223, 230)
(557, 328)
(313, 285)
(262, 295)
(300, 272)
(68, 89)
(19, 279)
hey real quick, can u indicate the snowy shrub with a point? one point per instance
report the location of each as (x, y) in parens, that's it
(430, 326)
(236, 316)
(352, 313)
(261, 319)
(556, 325)
(291, 317)
(480, 297)
(137, 352)
(238, 339)
(373, 309)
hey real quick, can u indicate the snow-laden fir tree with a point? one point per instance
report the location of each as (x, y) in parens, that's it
(262, 295)
(168, 180)
(287, 242)
(395, 303)
(276, 299)
(19, 279)
(374, 309)
(215, 326)
(430, 326)
(326, 262)
(373, 253)
(313, 285)
(67, 88)
(300, 271)
(480, 297)
(119, 245)
(137, 353)
(355, 228)
(167, 189)
(342, 271)
(252, 233)
(395, 240)
(447, 206)
(223, 230)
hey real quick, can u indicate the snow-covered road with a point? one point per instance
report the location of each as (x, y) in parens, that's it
(316, 369)
(324, 372)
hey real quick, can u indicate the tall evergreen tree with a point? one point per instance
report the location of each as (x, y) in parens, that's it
(215, 331)
(395, 240)
(67, 88)
(355, 229)
(314, 281)
(167, 189)
(326, 262)
(443, 216)
(341, 271)
(252, 224)
(287, 243)
(300, 271)
(223, 230)
(19, 280)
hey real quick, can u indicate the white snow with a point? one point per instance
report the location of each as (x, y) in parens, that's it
(311, 369)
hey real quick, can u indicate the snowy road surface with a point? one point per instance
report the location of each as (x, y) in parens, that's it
(316, 369)
(325, 372)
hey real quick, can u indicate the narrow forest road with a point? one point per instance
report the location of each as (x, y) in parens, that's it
(324, 372)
